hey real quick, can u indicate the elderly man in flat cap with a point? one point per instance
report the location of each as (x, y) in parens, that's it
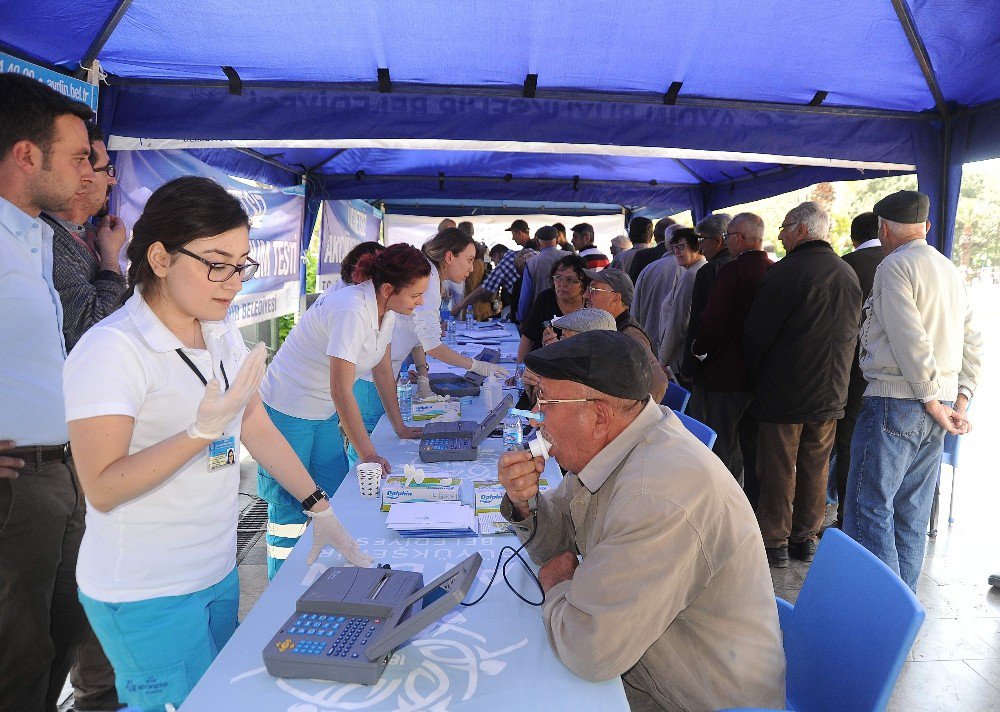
(651, 560)
(920, 353)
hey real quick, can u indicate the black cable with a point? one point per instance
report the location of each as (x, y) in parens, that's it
(514, 553)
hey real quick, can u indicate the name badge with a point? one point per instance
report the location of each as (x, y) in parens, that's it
(222, 453)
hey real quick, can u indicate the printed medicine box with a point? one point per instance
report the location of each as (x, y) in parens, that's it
(431, 489)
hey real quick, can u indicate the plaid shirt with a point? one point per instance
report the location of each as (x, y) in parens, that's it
(505, 273)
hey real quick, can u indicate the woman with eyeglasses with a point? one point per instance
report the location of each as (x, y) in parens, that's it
(450, 255)
(158, 395)
(569, 284)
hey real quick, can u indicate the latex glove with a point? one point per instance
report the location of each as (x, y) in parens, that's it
(424, 387)
(217, 409)
(484, 369)
(328, 531)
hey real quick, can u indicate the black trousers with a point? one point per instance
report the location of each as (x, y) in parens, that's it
(41, 620)
(93, 677)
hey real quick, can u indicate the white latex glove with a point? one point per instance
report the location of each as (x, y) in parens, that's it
(328, 531)
(217, 409)
(484, 369)
(424, 387)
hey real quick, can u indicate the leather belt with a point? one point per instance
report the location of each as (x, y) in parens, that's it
(40, 453)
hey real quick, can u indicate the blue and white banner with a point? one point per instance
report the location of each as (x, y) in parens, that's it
(68, 86)
(276, 216)
(345, 224)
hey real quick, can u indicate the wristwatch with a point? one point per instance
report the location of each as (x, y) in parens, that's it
(312, 499)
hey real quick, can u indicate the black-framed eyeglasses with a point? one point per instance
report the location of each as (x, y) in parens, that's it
(109, 169)
(726, 235)
(679, 247)
(787, 225)
(222, 271)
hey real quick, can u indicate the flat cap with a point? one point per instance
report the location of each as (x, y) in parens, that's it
(617, 279)
(607, 361)
(588, 319)
(518, 226)
(905, 206)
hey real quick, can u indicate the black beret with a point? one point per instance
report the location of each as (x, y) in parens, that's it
(607, 361)
(905, 206)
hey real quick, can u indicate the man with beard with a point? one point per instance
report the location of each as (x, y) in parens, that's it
(88, 277)
(44, 162)
(85, 266)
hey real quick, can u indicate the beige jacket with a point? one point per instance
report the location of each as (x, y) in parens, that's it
(673, 591)
(918, 336)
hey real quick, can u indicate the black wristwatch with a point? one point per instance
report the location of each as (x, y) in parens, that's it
(312, 499)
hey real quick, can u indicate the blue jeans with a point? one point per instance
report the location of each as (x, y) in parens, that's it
(321, 449)
(895, 461)
(160, 647)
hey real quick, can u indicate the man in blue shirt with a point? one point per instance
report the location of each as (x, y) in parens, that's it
(44, 162)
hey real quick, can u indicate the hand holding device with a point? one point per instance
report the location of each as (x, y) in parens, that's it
(518, 472)
(217, 409)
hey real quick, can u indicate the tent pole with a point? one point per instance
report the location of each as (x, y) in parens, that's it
(920, 53)
(104, 35)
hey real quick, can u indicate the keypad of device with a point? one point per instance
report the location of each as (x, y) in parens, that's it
(335, 636)
(442, 444)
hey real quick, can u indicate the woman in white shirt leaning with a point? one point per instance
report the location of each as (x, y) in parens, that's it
(450, 255)
(309, 388)
(157, 395)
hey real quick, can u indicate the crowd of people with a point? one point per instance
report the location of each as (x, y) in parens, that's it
(129, 397)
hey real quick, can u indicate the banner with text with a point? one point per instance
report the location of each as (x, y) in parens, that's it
(68, 86)
(345, 224)
(276, 216)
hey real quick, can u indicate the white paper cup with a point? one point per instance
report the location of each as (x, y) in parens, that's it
(369, 478)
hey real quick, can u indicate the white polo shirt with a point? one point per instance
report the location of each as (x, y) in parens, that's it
(181, 536)
(341, 323)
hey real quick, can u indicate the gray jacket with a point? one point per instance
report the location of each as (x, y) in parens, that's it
(88, 293)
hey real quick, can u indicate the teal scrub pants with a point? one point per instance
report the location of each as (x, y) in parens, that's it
(371, 409)
(321, 449)
(160, 647)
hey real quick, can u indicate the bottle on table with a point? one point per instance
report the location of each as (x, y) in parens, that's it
(404, 392)
(513, 434)
(470, 320)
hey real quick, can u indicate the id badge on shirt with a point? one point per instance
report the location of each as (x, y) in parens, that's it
(222, 453)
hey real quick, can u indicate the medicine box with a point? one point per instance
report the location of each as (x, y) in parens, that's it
(436, 410)
(489, 494)
(431, 489)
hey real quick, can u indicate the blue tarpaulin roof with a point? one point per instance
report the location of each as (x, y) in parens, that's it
(659, 105)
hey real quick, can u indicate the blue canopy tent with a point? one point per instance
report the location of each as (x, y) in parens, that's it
(662, 106)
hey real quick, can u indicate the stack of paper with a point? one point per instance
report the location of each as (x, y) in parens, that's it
(432, 519)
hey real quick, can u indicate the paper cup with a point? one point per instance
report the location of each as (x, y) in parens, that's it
(369, 478)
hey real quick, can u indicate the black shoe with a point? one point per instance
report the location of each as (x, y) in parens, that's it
(777, 557)
(803, 550)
